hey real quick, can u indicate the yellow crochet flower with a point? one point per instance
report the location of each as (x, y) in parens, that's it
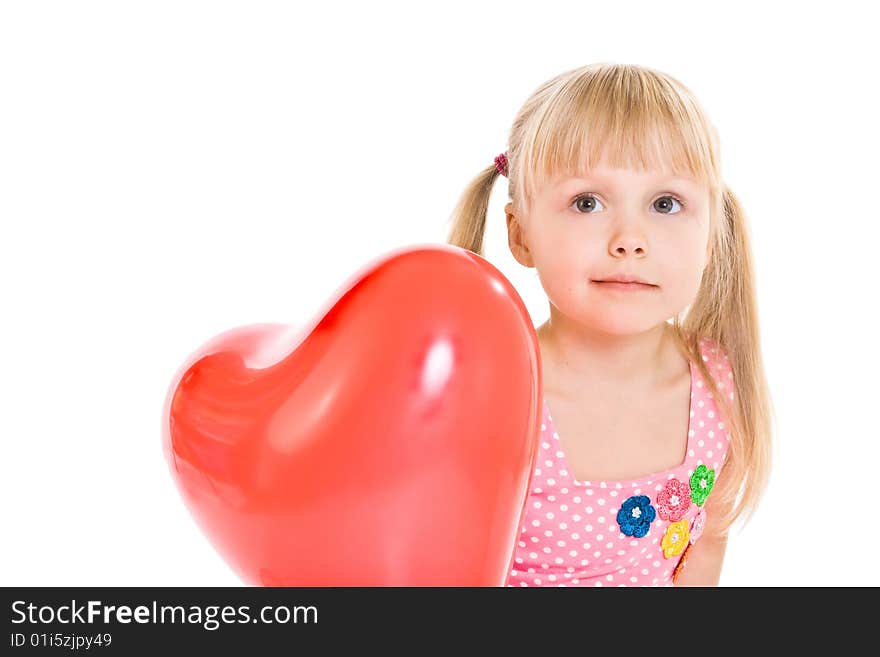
(676, 538)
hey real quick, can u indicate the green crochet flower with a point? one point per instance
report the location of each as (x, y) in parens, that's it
(701, 484)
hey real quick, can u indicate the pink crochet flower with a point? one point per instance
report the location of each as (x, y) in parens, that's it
(698, 525)
(674, 500)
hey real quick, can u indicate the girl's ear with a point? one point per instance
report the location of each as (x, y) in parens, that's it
(516, 239)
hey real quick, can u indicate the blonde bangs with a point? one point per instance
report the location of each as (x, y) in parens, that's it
(631, 120)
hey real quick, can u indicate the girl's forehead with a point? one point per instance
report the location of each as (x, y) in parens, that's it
(613, 176)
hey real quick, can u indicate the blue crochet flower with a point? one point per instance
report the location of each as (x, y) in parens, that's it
(636, 515)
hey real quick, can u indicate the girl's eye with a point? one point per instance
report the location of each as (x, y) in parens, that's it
(588, 202)
(666, 204)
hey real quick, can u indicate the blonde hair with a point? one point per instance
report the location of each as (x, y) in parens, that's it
(637, 117)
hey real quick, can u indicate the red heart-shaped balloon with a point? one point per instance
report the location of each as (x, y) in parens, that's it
(389, 443)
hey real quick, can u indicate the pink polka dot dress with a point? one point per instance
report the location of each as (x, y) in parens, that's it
(622, 533)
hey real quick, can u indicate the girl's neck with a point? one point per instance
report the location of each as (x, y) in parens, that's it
(578, 361)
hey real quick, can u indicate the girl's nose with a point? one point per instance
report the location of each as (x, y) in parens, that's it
(628, 245)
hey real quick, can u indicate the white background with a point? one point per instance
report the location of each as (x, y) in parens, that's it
(169, 170)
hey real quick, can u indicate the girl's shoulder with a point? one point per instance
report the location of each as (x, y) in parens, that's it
(712, 350)
(716, 359)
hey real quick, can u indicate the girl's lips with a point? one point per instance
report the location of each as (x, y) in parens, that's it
(625, 287)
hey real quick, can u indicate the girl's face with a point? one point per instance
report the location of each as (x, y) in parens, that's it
(610, 222)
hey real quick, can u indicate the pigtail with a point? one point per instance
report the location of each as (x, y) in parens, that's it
(725, 311)
(468, 219)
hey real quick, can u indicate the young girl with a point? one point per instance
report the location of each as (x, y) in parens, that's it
(656, 436)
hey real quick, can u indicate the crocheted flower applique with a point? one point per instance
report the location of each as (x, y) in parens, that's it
(697, 526)
(681, 563)
(676, 538)
(702, 481)
(674, 500)
(636, 515)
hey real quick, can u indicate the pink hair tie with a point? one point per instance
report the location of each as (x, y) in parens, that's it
(501, 164)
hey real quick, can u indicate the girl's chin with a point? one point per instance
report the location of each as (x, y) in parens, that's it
(620, 325)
